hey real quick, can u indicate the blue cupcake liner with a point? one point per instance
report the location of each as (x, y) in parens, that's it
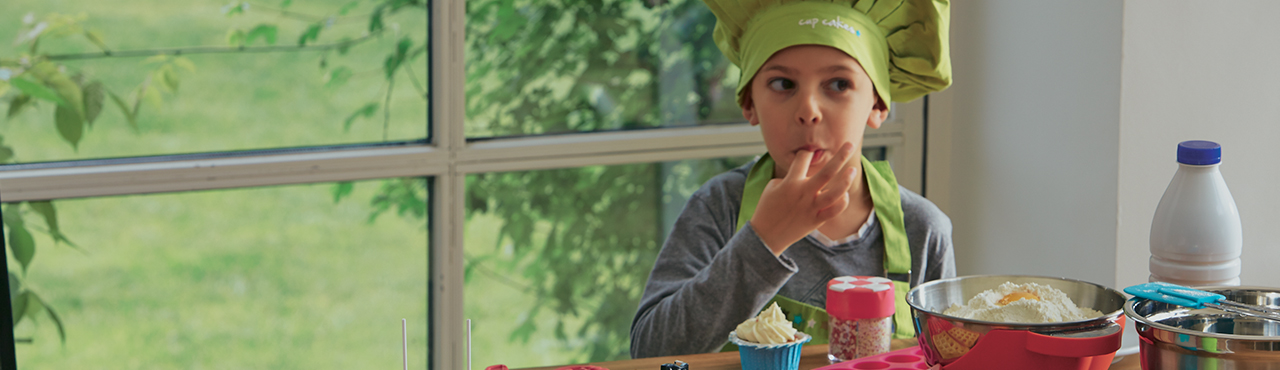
(784, 356)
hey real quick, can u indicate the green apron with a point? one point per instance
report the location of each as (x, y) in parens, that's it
(897, 262)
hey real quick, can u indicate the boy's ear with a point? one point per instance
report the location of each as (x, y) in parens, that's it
(749, 111)
(879, 113)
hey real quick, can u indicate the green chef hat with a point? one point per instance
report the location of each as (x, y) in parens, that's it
(902, 44)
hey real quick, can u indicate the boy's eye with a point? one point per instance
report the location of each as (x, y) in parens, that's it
(839, 85)
(781, 84)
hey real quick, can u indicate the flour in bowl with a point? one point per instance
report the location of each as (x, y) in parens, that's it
(1028, 303)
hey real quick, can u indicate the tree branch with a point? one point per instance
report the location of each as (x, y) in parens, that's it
(210, 50)
(386, 108)
(414, 77)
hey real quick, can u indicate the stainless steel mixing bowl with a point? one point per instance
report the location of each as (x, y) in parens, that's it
(1176, 337)
(929, 300)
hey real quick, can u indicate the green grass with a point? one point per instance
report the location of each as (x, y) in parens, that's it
(228, 279)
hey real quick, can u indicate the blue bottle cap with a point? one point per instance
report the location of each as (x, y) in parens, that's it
(1199, 152)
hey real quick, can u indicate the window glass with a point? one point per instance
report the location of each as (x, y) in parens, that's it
(280, 277)
(541, 67)
(557, 259)
(214, 96)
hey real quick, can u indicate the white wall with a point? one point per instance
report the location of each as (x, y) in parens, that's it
(1054, 145)
(1192, 71)
(1028, 174)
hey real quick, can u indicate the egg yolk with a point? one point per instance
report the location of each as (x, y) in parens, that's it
(1017, 296)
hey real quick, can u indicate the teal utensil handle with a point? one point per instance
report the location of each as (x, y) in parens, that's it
(1174, 294)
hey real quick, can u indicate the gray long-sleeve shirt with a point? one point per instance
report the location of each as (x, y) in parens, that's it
(708, 278)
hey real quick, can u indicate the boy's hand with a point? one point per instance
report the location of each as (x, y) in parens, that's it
(793, 206)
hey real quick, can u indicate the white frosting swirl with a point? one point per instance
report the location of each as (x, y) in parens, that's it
(770, 327)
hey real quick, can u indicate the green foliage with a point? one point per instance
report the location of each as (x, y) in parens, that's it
(26, 303)
(21, 243)
(16, 105)
(6, 152)
(408, 196)
(94, 93)
(37, 90)
(567, 66)
(70, 126)
(585, 238)
(312, 33)
(594, 260)
(265, 31)
(342, 190)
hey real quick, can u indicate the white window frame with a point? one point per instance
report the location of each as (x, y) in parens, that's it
(448, 160)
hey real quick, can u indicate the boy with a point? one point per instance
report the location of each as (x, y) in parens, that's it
(814, 76)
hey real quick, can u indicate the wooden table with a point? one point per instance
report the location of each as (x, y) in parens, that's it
(811, 357)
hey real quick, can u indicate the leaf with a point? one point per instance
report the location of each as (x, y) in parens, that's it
(367, 111)
(344, 45)
(342, 190)
(69, 91)
(34, 304)
(265, 31)
(96, 38)
(285, 4)
(507, 24)
(312, 33)
(15, 105)
(45, 208)
(4, 86)
(93, 97)
(338, 76)
(19, 306)
(403, 47)
(70, 125)
(36, 90)
(235, 37)
(393, 61)
(124, 108)
(375, 19)
(57, 321)
(170, 79)
(6, 152)
(390, 65)
(234, 8)
(14, 285)
(22, 245)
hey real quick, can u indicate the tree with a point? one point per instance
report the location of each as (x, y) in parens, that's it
(612, 65)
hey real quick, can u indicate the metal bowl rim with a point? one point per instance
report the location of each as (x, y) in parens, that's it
(1108, 315)
(1129, 307)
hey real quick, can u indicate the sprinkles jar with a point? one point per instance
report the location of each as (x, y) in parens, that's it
(861, 311)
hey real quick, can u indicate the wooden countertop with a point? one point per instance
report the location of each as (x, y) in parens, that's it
(811, 357)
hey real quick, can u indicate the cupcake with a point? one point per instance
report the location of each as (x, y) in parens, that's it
(768, 342)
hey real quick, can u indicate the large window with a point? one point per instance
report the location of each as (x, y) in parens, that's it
(520, 134)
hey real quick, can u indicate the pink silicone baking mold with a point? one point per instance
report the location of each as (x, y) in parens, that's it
(910, 358)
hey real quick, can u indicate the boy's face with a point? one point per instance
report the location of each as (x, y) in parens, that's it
(812, 98)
